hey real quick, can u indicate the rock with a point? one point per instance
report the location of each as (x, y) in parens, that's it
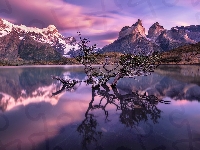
(132, 40)
(155, 30)
(134, 29)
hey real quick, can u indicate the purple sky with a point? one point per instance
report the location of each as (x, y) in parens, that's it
(100, 20)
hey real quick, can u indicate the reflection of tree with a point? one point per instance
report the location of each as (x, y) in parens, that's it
(68, 85)
(88, 129)
(134, 109)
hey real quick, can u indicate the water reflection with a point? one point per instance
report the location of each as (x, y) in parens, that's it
(24, 85)
(30, 84)
(134, 109)
(165, 83)
(183, 73)
(99, 118)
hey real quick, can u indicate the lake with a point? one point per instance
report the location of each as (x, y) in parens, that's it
(32, 118)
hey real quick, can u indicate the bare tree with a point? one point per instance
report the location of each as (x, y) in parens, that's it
(129, 65)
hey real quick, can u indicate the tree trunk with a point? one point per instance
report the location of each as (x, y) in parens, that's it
(117, 77)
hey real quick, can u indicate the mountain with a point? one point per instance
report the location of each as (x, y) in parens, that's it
(134, 40)
(12, 41)
(21, 86)
(187, 54)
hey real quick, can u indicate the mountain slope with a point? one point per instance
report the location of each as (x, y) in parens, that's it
(9, 45)
(29, 49)
(188, 54)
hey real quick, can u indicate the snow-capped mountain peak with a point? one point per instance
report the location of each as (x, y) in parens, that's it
(48, 35)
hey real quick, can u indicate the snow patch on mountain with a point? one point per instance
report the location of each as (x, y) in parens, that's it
(48, 35)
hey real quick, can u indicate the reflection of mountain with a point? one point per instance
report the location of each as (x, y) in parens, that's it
(33, 84)
(28, 84)
(14, 80)
(188, 73)
(41, 94)
(177, 82)
(42, 125)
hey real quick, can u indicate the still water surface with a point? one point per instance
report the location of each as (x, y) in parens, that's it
(31, 118)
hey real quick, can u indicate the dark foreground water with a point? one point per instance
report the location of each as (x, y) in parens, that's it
(32, 119)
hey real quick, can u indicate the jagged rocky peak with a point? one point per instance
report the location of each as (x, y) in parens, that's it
(176, 33)
(139, 22)
(191, 28)
(139, 28)
(134, 29)
(50, 30)
(133, 38)
(124, 28)
(155, 30)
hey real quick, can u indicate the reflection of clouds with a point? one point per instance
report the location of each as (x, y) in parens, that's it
(182, 102)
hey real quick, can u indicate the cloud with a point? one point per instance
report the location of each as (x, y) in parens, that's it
(42, 13)
(192, 3)
(105, 38)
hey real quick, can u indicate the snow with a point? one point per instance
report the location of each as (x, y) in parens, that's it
(3, 33)
(46, 36)
(51, 27)
(70, 47)
(21, 38)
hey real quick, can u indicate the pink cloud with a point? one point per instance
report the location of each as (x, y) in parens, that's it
(59, 13)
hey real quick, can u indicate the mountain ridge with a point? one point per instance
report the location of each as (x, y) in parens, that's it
(158, 38)
(48, 35)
